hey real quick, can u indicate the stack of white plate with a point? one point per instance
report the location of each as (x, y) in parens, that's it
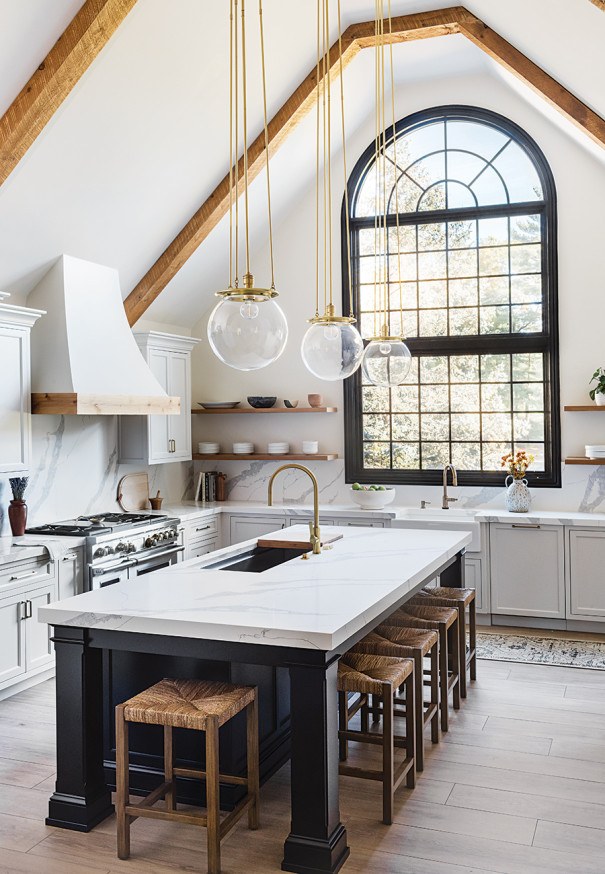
(278, 448)
(208, 448)
(595, 451)
(244, 448)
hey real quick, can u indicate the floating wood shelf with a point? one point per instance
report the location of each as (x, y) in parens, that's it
(588, 408)
(581, 459)
(331, 456)
(266, 410)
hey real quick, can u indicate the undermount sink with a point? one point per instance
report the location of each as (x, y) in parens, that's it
(256, 560)
(439, 519)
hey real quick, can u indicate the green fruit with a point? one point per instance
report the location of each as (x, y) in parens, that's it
(356, 487)
(380, 489)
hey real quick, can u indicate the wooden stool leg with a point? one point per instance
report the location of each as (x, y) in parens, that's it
(169, 769)
(462, 648)
(212, 796)
(375, 710)
(455, 639)
(443, 678)
(252, 762)
(411, 739)
(122, 784)
(473, 638)
(343, 722)
(365, 717)
(388, 750)
(435, 693)
(419, 708)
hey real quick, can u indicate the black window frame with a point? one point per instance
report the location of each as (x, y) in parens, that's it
(546, 342)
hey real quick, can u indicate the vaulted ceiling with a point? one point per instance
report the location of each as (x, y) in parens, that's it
(141, 140)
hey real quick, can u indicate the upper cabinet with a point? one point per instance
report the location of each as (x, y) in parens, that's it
(15, 386)
(160, 439)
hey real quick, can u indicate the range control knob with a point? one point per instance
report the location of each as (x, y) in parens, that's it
(149, 541)
(100, 552)
(130, 547)
(122, 547)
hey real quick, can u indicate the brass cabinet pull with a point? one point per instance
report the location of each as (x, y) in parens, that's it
(520, 525)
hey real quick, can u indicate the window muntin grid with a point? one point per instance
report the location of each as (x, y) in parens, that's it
(473, 275)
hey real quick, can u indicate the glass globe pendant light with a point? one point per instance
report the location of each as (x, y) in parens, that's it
(332, 347)
(247, 329)
(387, 359)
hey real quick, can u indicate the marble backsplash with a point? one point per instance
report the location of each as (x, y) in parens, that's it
(583, 487)
(75, 470)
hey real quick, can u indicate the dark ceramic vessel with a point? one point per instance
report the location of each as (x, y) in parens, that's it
(259, 402)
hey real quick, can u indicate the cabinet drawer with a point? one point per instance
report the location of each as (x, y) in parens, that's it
(201, 529)
(202, 547)
(27, 574)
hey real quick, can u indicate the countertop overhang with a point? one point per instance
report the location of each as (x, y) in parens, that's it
(314, 604)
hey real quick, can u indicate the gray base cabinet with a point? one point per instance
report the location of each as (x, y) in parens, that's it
(527, 570)
(586, 574)
(248, 527)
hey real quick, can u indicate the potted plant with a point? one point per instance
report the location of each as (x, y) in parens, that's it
(598, 392)
(17, 508)
(518, 496)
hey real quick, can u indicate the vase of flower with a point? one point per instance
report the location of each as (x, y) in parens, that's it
(518, 495)
(17, 508)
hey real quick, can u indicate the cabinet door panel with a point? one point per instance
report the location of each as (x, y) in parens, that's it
(179, 427)
(586, 573)
(14, 400)
(71, 574)
(527, 570)
(12, 638)
(246, 528)
(38, 648)
(159, 428)
(473, 580)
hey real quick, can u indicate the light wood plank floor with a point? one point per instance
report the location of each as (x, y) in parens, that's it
(517, 787)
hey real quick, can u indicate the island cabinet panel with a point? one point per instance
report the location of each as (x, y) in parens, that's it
(586, 574)
(527, 570)
(248, 527)
(125, 674)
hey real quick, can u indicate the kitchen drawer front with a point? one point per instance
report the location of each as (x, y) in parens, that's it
(201, 529)
(304, 520)
(27, 574)
(202, 547)
(586, 574)
(362, 523)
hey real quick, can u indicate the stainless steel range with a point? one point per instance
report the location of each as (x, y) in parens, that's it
(122, 546)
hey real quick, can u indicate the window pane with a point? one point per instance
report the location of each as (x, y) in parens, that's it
(462, 292)
(525, 229)
(526, 289)
(431, 237)
(496, 426)
(526, 259)
(375, 399)
(466, 426)
(462, 235)
(419, 142)
(434, 397)
(464, 320)
(404, 399)
(465, 398)
(489, 189)
(427, 171)
(462, 262)
(466, 456)
(464, 368)
(435, 427)
(434, 369)
(519, 173)
(463, 166)
(493, 232)
(494, 289)
(459, 196)
(432, 265)
(495, 320)
(433, 198)
(495, 368)
(432, 323)
(435, 455)
(432, 294)
(407, 238)
(376, 427)
(473, 136)
(493, 261)
(527, 318)
(495, 397)
(406, 427)
(528, 396)
(406, 455)
(492, 455)
(376, 455)
(528, 426)
(528, 367)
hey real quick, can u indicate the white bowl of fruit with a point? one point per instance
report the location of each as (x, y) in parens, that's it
(372, 497)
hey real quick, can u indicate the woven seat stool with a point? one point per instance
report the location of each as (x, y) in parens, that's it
(417, 645)
(462, 600)
(381, 676)
(443, 620)
(203, 706)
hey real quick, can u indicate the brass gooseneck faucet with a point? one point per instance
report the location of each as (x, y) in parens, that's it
(314, 525)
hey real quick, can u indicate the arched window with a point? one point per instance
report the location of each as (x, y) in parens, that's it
(477, 268)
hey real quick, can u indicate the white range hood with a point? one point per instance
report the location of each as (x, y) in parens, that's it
(85, 359)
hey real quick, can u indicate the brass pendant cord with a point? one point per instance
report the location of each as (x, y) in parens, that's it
(231, 155)
(266, 130)
(394, 120)
(317, 153)
(235, 110)
(327, 80)
(245, 126)
(325, 155)
(344, 163)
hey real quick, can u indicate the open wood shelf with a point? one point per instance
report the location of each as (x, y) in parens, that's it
(331, 456)
(585, 408)
(581, 459)
(248, 410)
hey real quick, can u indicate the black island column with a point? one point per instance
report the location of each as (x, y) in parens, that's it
(317, 841)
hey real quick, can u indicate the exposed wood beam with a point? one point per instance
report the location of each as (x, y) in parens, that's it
(405, 28)
(599, 3)
(69, 58)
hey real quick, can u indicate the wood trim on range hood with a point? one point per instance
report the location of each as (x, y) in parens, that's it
(85, 358)
(78, 404)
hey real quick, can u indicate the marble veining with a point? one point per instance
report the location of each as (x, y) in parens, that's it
(316, 603)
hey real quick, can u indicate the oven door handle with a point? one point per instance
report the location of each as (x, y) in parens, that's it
(111, 569)
(152, 557)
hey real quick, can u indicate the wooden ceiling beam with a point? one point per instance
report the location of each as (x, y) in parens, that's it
(599, 3)
(69, 58)
(405, 28)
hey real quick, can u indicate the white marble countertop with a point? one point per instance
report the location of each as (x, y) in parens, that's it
(318, 603)
(14, 549)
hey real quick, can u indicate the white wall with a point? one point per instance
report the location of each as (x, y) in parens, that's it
(580, 180)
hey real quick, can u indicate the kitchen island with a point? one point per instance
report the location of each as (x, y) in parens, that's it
(296, 617)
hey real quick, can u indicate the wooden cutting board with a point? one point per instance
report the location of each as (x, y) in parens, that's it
(133, 492)
(302, 543)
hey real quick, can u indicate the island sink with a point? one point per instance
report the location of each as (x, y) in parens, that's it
(256, 560)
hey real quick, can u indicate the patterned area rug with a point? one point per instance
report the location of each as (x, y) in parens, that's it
(541, 650)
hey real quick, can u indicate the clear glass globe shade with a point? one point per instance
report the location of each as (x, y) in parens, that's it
(386, 364)
(247, 335)
(332, 350)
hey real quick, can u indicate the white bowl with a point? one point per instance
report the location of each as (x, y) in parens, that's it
(310, 447)
(370, 500)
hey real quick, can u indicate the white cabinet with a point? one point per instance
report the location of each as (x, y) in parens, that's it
(527, 570)
(15, 386)
(200, 536)
(12, 638)
(586, 574)
(71, 573)
(161, 439)
(248, 527)
(38, 647)
(473, 574)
